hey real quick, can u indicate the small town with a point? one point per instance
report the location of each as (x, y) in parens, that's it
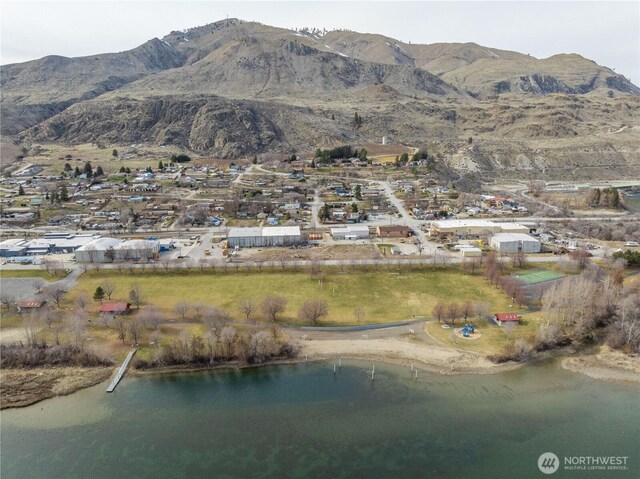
(402, 244)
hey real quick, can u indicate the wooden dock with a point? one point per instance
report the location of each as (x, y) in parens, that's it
(121, 371)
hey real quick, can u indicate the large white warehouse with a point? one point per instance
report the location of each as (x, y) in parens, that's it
(107, 250)
(511, 243)
(350, 232)
(269, 236)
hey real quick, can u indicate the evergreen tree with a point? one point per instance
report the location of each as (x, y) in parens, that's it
(160, 166)
(21, 191)
(99, 171)
(363, 155)
(404, 158)
(114, 153)
(99, 294)
(324, 212)
(470, 140)
(333, 117)
(358, 192)
(255, 160)
(64, 194)
(88, 170)
(67, 167)
(354, 207)
(122, 170)
(127, 171)
(313, 163)
(77, 172)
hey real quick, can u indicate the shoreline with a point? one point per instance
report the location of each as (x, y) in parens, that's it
(24, 387)
(606, 364)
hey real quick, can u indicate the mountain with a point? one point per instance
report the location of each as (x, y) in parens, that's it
(235, 88)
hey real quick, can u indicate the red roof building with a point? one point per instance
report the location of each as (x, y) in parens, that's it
(502, 318)
(31, 304)
(115, 307)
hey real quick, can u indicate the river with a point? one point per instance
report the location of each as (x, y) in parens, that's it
(302, 421)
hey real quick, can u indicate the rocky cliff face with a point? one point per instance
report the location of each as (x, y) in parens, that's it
(237, 88)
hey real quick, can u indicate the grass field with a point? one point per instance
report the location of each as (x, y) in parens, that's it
(29, 273)
(382, 296)
(539, 276)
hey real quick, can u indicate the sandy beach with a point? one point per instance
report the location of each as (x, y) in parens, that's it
(607, 364)
(427, 356)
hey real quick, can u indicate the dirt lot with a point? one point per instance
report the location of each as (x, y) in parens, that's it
(331, 252)
(21, 387)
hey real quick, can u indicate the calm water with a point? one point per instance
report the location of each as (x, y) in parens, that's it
(300, 421)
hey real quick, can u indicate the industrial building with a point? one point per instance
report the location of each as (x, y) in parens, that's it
(393, 231)
(473, 227)
(13, 247)
(99, 250)
(50, 243)
(511, 243)
(137, 250)
(268, 236)
(107, 250)
(350, 232)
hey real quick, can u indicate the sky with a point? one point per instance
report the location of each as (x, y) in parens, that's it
(607, 32)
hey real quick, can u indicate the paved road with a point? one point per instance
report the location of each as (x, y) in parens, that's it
(408, 219)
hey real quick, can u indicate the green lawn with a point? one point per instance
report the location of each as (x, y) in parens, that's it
(383, 296)
(30, 273)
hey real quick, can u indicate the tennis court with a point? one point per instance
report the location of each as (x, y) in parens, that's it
(540, 276)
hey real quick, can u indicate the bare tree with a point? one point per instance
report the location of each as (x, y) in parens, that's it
(150, 317)
(228, 336)
(519, 260)
(182, 309)
(106, 319)
(313, 310)
(453, 312)
(197, 307)
(216, 319)
(314, 269)
(135, 330)
(82, 301)
(439, 311)
(121, 328)
(272, 306)
(77, 327)
(56, 294)
(135, 295)
(247, 307)
(581, 257)
(466, 310)
(38, 285)
(30, 325)
(108, 287)
(47, 316)
(358, 314)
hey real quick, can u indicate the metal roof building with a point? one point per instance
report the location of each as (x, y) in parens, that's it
(473, 227)
(259, 237)
(99, 250)
(511, 243)
(350, 232)
(137, 249)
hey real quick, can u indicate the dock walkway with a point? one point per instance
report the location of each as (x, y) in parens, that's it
(121, 371)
